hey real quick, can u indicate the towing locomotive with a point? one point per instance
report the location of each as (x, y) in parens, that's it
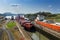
(24, 22)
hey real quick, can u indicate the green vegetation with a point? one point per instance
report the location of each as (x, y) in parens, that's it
(48, 15)
(11, 24)
(58, 20)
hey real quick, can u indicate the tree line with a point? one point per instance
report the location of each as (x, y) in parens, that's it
(34, 15)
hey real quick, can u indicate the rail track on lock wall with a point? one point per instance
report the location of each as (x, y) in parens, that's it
(51, 34)
(33, 35)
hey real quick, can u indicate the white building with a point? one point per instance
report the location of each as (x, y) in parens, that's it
(9, 17)
(40, 17)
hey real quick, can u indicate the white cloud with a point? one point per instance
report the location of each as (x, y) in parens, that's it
(15, 5)
(27, 0)
(49, 6)
(58, 9)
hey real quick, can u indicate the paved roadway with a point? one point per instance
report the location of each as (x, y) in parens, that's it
(23, 32)
(1, 33)
(8, 32)
(27, 34)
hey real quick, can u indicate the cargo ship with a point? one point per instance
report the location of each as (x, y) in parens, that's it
(49, 26)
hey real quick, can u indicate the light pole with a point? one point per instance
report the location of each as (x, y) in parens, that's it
(16, 8)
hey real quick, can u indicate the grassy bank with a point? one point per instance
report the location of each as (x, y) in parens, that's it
(57, 20)
(11, 24)
(14, 30)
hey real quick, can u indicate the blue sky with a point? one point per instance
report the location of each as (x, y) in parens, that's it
(29, 6)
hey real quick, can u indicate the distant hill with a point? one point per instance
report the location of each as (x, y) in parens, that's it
(10, 14)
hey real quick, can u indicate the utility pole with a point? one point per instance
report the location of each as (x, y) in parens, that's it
(16, 7)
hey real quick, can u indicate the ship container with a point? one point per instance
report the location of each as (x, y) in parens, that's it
(48, 25)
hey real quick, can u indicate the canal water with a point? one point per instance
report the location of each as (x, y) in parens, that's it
(38, 36)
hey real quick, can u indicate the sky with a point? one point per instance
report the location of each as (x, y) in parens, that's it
(29, 6)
